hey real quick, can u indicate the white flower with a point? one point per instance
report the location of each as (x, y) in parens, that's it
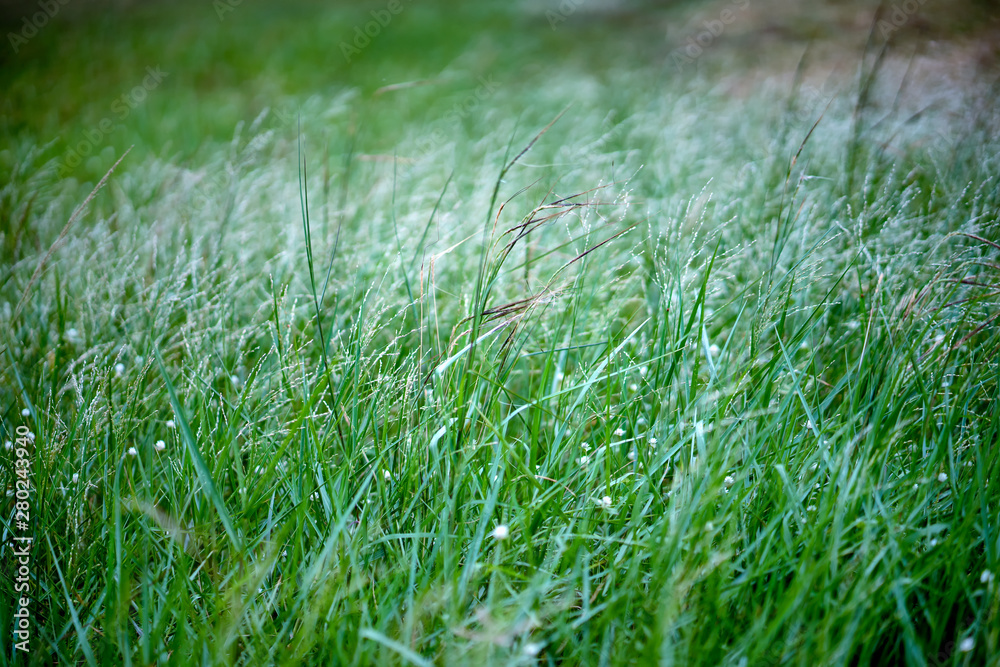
(73, 336)
(386, 475)
(160, 446)
(605, 502)
(237, 382)
(652, 442)
(966, 644)
(584, 460)
(119, 369)
(8, 445)
(632, 455)
(729, 481)
(709, 527)
(619, 431)
(501, 532)
(916, 486)
(532, 649)
(171, 423)
(943, 477)
(75, 478)
(584, 446)
(713, 350)
(25, 412)
(132, 452)
(811, 508)
(31, 436)
(986, 577)
(633, 387)
(643, 371)
(933, 542)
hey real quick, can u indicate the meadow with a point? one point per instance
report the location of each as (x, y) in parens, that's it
(417, 333)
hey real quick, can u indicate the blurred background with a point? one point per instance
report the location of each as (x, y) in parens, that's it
(176, 78)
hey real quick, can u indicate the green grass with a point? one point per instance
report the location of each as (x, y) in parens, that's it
(720, 358)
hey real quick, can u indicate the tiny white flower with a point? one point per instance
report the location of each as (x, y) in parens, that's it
(584, 446)
(605, 502)
(25, 412)
(967, 645)
(132, 451)
(501, 532)
(119, 369)
(643, 371)
(633, 387)
(386, 475)
(619, 432)
(532, 649)
(986, 577)
(171, 424)
(811, 508)
(584, 460)
(75, 478)
(933, 542)
(160, 446)
(714, 350)
(73, 336)
(943, 477)
(632, 455)
(709, 526)
(652, 442)
(641, 421)
(729, 481)
(8, 445)
(237, 382)
(916, 486)
(31, 436)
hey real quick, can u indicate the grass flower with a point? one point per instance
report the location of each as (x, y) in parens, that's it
(729, 481)
(605, 502)
(583, 460)
(501, 532)
(619, 432)
(943, 477)
(386, 475)
(132, 451)
(160, 446)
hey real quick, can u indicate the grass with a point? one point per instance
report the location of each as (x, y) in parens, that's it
(516, 366)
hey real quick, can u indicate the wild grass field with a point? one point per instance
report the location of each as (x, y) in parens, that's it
(520, 334)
